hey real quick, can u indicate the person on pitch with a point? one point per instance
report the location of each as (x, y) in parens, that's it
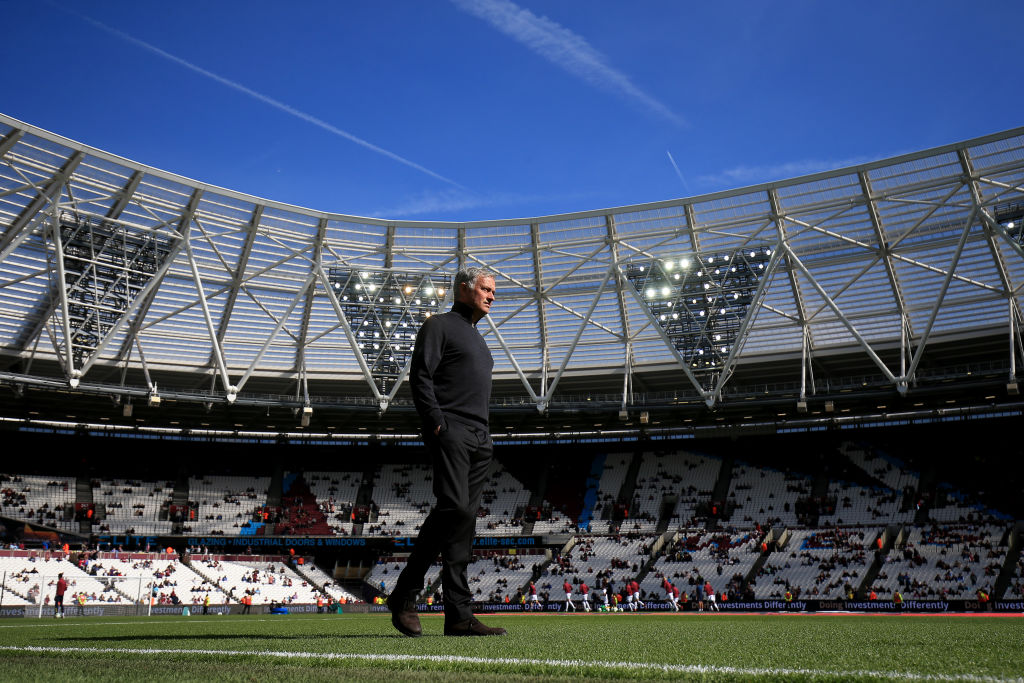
(450, 379)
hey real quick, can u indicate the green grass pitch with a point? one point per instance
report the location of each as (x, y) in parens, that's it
(549, 647)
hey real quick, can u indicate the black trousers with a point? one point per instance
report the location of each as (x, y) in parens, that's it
(460, 455)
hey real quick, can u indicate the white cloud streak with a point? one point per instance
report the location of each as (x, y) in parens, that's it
(266, 99)
(430, 205)
(748, 175)
(686, 185)
(563, 48)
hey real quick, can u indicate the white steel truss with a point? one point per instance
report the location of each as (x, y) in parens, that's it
(108, 266)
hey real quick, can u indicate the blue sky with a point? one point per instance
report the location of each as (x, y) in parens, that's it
(477, 109)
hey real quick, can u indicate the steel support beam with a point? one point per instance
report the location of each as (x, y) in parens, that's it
(367, 375)
(310, 279)
(940, 297)
(840, 315)
(541, 313)
(704, 394)
(15, 232)
(620, 298)
(546, 398)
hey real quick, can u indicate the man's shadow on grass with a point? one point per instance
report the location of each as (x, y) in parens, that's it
(226, 636)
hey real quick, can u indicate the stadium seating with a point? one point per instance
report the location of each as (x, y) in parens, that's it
(336, 494)
(856, 504)
(692, 559)
(944, 562)
(492, 577)
(46, 499)
(613, 477)
(223, 504)
(818, 563)
(501, 505)
(323, 581)
(267, 582)
(403, 497)
(132, 506)
(765, 496)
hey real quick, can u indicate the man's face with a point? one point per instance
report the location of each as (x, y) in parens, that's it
(478, 296)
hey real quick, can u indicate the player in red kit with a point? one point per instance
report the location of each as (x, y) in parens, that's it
(568, 596)
(585, 592)
(58, 598)
(635, 587)
(709, 595)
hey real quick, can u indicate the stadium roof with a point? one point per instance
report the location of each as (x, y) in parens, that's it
(121, 279)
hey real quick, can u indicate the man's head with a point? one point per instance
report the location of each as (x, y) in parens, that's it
(475, 288)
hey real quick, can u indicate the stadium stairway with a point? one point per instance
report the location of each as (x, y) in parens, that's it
(762, 558)
(629, 481)
(720, 494)
(192, 566)
(889, 537)
(179, 497)
(302, 515)
(275, 488)
(536, 500)
(10, 587)
(927, 489)
(1009, 568)
(364, 497)
(298, 569)
(653, 554)
(668, 506)
(83, 495)
(590, 496)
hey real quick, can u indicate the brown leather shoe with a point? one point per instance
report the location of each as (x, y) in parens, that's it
(404, 617)
(471, 627)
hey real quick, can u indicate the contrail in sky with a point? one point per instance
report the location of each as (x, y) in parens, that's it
(686, 185)
(563, 48)
(266, 99)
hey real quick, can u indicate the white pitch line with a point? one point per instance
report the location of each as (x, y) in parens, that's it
(45, 622)
(508, 661)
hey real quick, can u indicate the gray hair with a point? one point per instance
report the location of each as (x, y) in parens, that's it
(470, 274)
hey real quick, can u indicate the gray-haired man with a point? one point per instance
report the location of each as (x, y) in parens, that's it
(450, 378)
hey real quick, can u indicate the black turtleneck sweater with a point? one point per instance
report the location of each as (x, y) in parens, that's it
(451, 369)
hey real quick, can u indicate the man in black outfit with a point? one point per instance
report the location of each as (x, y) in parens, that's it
(450, 378)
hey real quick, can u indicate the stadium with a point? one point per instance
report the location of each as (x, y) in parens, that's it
(803, 393)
